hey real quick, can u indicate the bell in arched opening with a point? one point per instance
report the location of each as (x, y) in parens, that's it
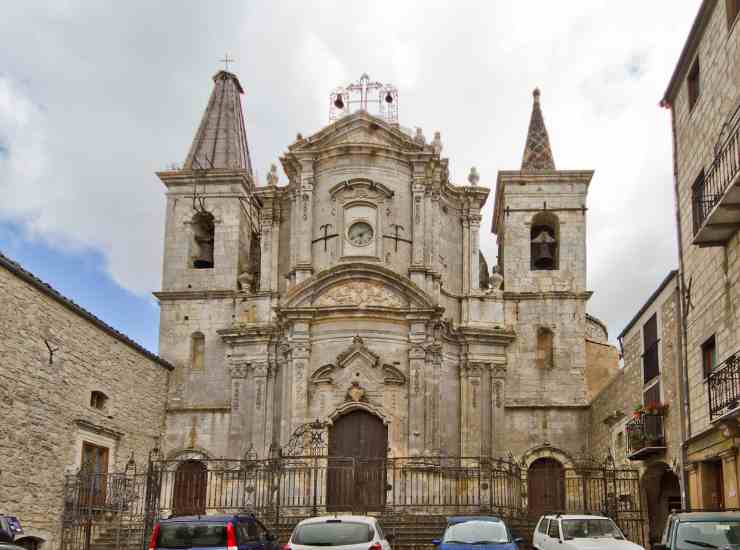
(203, 238)
(543, 250)
(339, 102)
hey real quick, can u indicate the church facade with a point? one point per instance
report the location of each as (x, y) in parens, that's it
(356, 294)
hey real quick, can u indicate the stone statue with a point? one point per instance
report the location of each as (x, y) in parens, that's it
(246, 280)
(496, 280)
(483, 278)
(272, 177)
(474, 176)
(437, 143)
(419, 137)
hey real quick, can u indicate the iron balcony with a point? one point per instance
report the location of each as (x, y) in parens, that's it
(724, 388)
(716, 196)
(645, 436)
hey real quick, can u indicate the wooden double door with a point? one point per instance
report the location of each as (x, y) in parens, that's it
(545, 487)
(356, 467)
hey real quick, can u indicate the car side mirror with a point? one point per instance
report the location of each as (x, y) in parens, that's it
(436, 542)
(518, 540)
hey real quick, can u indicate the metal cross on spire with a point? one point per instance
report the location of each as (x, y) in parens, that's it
(226, 60)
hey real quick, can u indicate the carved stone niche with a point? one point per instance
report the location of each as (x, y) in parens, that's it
(360, 294)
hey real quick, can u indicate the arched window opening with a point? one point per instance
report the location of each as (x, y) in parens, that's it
(98, 400)
(544, 242)
(203, 237)
(545, 355)
(197, 351)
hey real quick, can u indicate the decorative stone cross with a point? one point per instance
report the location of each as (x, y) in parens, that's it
(226, 60)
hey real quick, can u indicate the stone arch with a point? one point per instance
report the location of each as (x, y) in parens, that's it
(350, 406)
(544, 241)
(661, 492)
(190, 453)
(547, 451)
(545, 486)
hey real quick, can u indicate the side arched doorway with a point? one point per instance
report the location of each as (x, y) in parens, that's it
(545, 487)
(189, 492)
(358, 443)
(663, 494)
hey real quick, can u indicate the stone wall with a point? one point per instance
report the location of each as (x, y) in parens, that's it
(46, 406)
(602, 364)
(714, 271)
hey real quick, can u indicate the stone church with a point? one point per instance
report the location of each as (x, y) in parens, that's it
(355, 293)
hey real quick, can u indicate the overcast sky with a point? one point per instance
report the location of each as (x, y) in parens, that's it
(96, 96)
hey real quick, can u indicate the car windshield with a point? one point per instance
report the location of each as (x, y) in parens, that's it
(708, 534)
(188, 535)
(476, 532)
(332, 533)
(590, 528)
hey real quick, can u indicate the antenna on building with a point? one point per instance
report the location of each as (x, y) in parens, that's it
(375, 98)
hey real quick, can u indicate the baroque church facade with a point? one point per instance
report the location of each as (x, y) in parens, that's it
(356, 294)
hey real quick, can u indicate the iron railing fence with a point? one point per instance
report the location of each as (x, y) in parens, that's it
(724, 387)
(708, 191)
(119, 510)
(645, 431)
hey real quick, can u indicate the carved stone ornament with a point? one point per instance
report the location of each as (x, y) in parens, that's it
(356, 393)
(361, 294)
(238, 370)
(393, 376)
(357, 348)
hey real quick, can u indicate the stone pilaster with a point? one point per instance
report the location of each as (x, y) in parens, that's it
(729, 478)
(266, 250)
(300, 359)
(304, 264)
(259, 416)
(238, 428)
(498, 396)
(474, 228)
(473, 382)
(417, 380)
(433, 364)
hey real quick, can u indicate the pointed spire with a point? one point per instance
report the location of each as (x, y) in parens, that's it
(221, 139)
(537, 152)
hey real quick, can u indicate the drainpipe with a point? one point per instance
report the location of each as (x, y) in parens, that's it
(682, 331)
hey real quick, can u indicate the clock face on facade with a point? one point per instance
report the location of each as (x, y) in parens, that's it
(360, 233)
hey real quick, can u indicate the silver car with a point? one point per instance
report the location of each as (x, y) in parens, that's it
(339, 532)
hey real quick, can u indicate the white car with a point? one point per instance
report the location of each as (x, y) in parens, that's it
(579, 532)
(339, 532)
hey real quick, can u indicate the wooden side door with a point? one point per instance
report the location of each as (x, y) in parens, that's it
(189, 494)
(545, 487)
(358, 444)
(94, 468)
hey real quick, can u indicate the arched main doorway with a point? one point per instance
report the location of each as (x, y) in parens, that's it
(189, 492)
(358, 443)
(545, 487)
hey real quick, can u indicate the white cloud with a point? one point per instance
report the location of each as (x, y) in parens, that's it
(104, 94)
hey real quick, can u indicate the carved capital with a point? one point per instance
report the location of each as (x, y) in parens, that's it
(239, 370)
(417, 352)
(261, 368)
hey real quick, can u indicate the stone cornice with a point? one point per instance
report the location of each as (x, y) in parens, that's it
(489, 335)
(172, 295)
(212, 409)
(178, 178)
(545, 405)
(552, 294)
(98, 429)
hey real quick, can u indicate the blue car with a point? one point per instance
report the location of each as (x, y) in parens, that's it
(476, 533)
(230, 532)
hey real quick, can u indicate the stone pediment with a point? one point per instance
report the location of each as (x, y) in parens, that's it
(358, 129)
(357, 349)
(358, 285)
(358, 355)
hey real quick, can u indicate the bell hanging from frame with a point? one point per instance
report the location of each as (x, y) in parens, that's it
(339, 102)
(388, 98)
(542, 253)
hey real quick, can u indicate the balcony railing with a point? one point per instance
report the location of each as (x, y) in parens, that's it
(645, 436)
(715, 197)
(724, 388)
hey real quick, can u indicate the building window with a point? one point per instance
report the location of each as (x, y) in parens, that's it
(545, 344)
(650, 366)
(651, 396)
(733, 9)
(709, 356)
(702, 203)
(197, 351)
(204, 233)
(94, 465)
(544, 245)
(693, 83)
(98, 400)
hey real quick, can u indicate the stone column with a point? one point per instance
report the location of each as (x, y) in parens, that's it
(474, 224)
(417, 363)
(238, 428)
(432, 398)
(294, 204)
(471, 401)
(465, 287)
(729, 477)
(300, 357)
(266, 247)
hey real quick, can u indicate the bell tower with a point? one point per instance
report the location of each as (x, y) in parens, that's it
(540, 219)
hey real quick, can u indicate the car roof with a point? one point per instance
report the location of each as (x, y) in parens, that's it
(324, 519)
(452, 520)
(706, 516)
(208, 519)
(573, 516)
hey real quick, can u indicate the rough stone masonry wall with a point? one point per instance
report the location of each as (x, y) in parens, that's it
(42, 402)
(715, 271)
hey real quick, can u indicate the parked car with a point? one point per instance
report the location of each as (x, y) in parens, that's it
(349, 532)
(579, 532)
(9, 546)
(478, 532)
(10, 528)
(689, 530)
(229, 532)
